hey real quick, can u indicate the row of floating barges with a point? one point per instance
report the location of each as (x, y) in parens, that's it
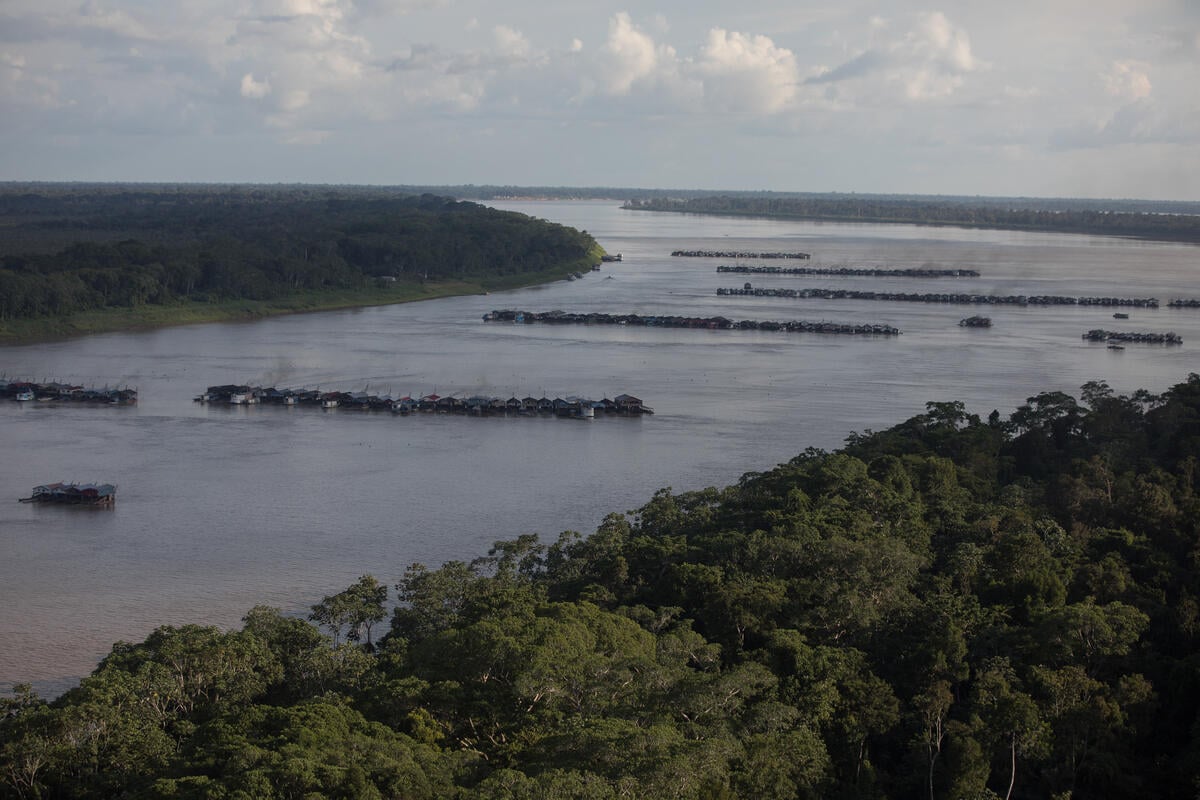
(736, 254)
(1100, 335)
(703, 323)
(477, 405)
(872, 272)
(940, 297)
(27, 391)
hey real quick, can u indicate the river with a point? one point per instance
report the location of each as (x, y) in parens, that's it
(222, 508)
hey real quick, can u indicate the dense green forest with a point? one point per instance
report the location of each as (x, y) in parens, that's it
(68, 248)
(1108, 218)
(956, 607)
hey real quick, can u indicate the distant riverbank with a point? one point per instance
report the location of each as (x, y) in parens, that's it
(1065, 216)
(144, 317)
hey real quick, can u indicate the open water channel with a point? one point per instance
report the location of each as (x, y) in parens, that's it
(221, 508)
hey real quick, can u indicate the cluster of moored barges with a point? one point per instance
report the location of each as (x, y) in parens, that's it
(1099, 335)
(73, 494)
(870, 272)
(702, 323)
(476, 405)
(735, 254)
(1184, 303)
(26, 391)
(941, 297)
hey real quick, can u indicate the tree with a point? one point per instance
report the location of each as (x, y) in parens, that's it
(356, 608)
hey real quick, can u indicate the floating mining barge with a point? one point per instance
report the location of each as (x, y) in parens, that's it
(478, 405)
(1098, 335)
(941, 297)
(871, 272)
(24, 391)
(735, 254)
(702, 323)
(74, 494)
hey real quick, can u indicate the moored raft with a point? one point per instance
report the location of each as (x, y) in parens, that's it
(698, 323)
(939, 297)
(67, 393)
(873, 272)
(736, 254)
(478, 404)
(73, 494)
(1100, 335)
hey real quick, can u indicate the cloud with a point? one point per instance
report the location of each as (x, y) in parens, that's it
(630, 56)
(928, 61)
(1128, 80)
(511, 42)
(741, 72)
(294, 99)
(255, 90)
(311, 59)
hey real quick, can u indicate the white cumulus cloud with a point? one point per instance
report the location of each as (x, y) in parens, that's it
(742, 72)
(630, 55)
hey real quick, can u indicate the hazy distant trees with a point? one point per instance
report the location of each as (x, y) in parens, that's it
(1061, 216)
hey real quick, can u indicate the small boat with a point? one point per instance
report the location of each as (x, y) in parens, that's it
(24, 395)
(1114, 346)
(1120, 315)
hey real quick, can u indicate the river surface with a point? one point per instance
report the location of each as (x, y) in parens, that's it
(222, 508)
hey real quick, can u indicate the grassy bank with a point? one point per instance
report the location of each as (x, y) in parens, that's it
(108, 320)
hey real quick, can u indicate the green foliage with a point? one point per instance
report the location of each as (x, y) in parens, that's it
(952, 608)
(68, 250)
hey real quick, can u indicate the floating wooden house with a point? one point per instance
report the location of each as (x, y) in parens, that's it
(73, 494)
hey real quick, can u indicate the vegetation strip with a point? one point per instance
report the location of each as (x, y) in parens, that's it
(940, 297)
(1159, 221)
(77, 260)
(853, 271)
(705, 323)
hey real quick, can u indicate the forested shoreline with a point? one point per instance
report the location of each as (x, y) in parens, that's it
(69, 250)
(956, 607)
(1088, 217)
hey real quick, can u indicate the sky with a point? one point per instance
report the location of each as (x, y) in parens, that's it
(1045, 98)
